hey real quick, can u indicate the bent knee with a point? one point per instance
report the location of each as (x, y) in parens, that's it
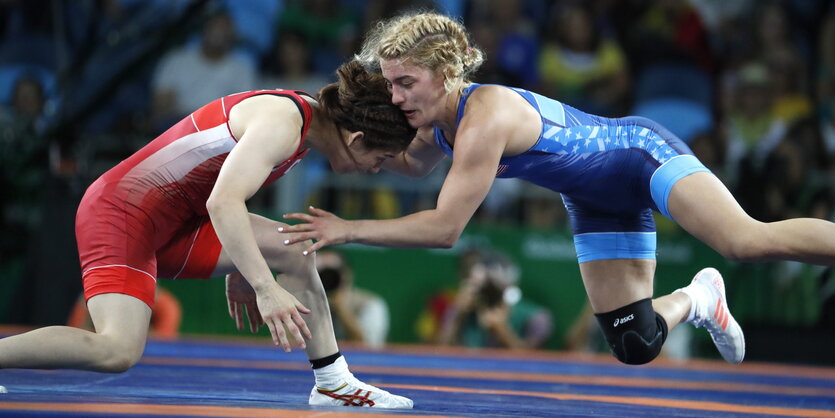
(117, 358)
(635, 333)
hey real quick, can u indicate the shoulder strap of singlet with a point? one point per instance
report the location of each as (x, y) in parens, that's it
(440, 139)
(304, 108)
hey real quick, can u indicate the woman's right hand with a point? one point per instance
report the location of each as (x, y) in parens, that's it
(319, 225)
(281, 311)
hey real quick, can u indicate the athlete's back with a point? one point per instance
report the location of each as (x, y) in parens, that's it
(176, 171)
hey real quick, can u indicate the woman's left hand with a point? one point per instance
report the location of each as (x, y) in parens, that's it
(319, 225)
(239, 297)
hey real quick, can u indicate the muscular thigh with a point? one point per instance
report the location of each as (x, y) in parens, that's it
(122, 317)
(614, 283)
(704, 207)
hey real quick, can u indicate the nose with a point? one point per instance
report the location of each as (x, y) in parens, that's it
(396, 96)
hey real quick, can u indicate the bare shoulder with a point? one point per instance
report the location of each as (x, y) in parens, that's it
(498, 105)
(502, 112)
(268, 125)
(266, 110)
(492, 94)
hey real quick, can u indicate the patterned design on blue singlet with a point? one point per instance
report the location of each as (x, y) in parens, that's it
(610, 173)
(604, 163)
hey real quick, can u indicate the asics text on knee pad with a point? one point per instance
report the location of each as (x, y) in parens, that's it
(635, 332)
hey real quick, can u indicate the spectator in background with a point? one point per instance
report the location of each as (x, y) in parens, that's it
(752, 128)
(488, 309)
(580, 65)
(428, 326)
(773, 31)
(290, 65)
(792, 101)
(51, 268)
(669, 31)
(330, 29)
(782, 184)
(358, 315)
(485, 35)
(515, 46)
(24, 166)
(709, 147)
(726, 23)
(26, 108)
(825, 73)
(197, 74)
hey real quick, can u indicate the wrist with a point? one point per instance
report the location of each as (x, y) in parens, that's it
(351, 232)
(262, 284)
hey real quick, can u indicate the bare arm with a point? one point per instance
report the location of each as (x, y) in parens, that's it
(419, 159)
(268, 130)
(483, 135)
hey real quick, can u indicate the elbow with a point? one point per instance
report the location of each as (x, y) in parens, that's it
(215, 204)
(212, 205)
(416, 170)
(450, 237)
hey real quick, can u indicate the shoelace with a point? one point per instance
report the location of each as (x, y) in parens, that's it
(350, 399)
(702, 315)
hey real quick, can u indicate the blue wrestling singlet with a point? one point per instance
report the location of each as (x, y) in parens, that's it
(611, 173)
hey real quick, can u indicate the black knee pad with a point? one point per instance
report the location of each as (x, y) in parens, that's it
(635, 332)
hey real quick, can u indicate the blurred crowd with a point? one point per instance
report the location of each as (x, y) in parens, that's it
(749, 85)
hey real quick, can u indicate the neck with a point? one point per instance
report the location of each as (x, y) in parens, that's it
(319, 128)
(448, 121)
(322, 133)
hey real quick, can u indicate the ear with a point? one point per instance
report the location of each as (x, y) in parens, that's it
(448, 72)
(450, 78)
(355, 137)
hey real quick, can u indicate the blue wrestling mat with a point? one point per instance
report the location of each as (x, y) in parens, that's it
(250, 378)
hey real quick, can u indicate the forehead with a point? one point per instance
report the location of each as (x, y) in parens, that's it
(397, 68)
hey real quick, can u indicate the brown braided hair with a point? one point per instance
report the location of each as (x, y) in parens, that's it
(360, 101)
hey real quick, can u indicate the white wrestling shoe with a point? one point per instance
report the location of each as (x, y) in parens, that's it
(711, 311)
(352, 392)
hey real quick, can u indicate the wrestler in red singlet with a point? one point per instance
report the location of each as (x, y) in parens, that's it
(147, 218)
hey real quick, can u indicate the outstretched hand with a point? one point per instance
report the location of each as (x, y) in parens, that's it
(319, 225)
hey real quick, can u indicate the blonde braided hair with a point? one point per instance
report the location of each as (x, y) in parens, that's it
(429, 40)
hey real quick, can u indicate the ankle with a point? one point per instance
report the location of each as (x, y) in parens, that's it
(695, 294)
(334, 373)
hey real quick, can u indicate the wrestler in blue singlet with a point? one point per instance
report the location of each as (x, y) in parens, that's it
(611, 173)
